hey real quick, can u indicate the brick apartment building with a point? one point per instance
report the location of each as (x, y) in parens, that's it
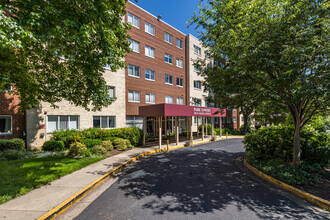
(156, 68)
(159, 70)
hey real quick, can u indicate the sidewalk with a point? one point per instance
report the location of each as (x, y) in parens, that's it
(39, 201)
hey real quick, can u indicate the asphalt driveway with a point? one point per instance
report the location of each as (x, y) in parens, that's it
(201, 182)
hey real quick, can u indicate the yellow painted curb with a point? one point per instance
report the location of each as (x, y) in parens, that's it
(314, 199)
(52, 214)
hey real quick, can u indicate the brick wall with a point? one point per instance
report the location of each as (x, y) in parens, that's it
(158, 87)
(9, 106)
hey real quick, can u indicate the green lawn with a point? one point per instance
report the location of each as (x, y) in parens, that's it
(18, 177)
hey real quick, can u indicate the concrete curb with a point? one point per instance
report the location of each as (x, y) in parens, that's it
(325, 204)
(52, 214)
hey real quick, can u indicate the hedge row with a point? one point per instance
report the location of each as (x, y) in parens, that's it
(12, 144)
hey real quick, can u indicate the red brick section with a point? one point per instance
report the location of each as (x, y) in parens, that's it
(158, 87)
(231, 114)
(9, 106)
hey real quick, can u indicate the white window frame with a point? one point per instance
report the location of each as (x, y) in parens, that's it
(135, 68)
(199, 50)
(134, 95)
(234, 119)
(132, 17)
(180, 44)
(11, 125)
(149, 28)
(169, 97)
(169, 58)
(223, 120)
(197, 101)
(148, 50)
(58, 122)
(108, 119)
(179, 62)
(169, 77)
(133, 42)
(114, 91)
(228, 120)
(180, 79)
(149, 101)
(150, 74)
(168, 38)
(197, 82)
(178, 101)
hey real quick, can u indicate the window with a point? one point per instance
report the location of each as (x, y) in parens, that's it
(199, 120)
(197, 50)
(133, 96)
(150, 52)
(234, 119)
(228, 119)
(168, 79)
(150, 74)
(169, 99)
(133, 71)
(150, 98)
(223, 120)
(197, 69)
(149, 28)
(134, 121)
(107, 66)
(112, 91)
(179, 62)
(197, 84)
(179, 100)
(179, 81)
(133, 20)
(135, 46)
(6, 122)
(168, 38)
(179, 43)
(168, 58)
(56, 122)
(104, 121)
(197, 102)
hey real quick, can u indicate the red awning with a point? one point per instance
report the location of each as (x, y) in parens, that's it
(179, 110)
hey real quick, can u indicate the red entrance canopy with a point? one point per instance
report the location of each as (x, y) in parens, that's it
(179, 110)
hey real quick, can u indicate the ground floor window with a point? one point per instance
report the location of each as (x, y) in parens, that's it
(228, 119)
(223, 120)
(104, 122)
(234, 119)
(134, 121)
(60, 122)
(199, 120)
(6, 122)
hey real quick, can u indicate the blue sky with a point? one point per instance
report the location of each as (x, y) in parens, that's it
(174, 12)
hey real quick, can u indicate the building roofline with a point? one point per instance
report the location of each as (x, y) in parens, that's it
(156, 17)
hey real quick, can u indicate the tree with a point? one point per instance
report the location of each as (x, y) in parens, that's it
(54, 50)
(281, 45)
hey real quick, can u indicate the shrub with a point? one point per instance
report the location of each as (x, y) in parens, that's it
(277, 142)
(224, 130)
(235, 132)
(91, 142)
(67, 136)
(110, 139)
(12, 154)
(209, 128)
(12, 144)
(98, 150)
(77, 149)
(53, 146)
(107, 145)
(248, 130)
(120, 144)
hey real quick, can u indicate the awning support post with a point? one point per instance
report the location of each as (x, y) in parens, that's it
(212, 129)
(187, 130)
(160, 132)
(144, 131)
(165, 126)
(206, 126)
(197, 126)
(202, 128)
(191, 133)
(176, 130)
(220, 126)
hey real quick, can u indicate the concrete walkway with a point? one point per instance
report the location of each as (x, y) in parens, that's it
(39, 201)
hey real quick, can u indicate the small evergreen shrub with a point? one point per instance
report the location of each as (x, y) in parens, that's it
(235, 132)
(53, 146)
(12, 144)
(120, 144)
(225, 130)
(209, 128)
(12, 154)
(98, 150)
(67, 136)
(107, 145)
(91, 142)
(77, 149)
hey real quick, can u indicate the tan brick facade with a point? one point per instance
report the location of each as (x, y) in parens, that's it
(37, 118)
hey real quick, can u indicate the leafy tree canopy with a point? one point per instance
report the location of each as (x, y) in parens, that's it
(56, 50)
(281, 45)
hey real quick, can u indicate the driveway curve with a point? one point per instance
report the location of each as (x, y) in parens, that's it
(200, 182)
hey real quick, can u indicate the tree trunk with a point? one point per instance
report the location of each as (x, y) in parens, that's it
(296, 142)
(245, 118)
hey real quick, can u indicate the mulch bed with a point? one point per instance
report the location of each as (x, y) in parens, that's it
(321, 189)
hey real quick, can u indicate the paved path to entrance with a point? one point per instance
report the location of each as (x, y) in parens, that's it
(201, 182)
